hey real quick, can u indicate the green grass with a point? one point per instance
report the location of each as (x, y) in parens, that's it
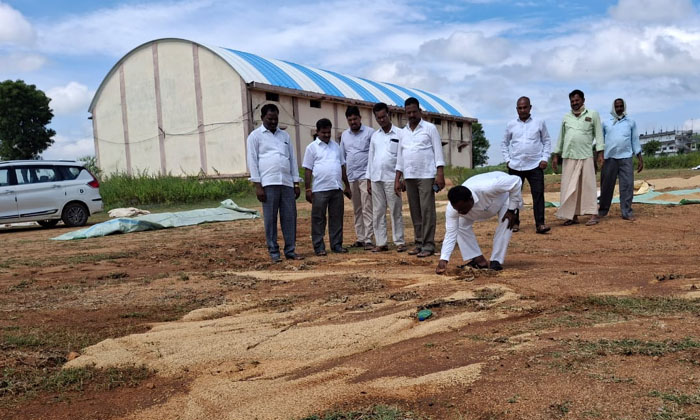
(645, 306)
(633, 347)
(137, 190)
(378, 412)
(684, 161)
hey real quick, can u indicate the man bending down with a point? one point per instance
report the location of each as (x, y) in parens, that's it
(481, 197)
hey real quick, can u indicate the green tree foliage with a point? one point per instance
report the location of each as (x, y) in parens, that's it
(480, 146)
(651, 147)
(24, 114)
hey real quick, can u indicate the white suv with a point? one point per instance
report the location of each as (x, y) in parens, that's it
(45, 192)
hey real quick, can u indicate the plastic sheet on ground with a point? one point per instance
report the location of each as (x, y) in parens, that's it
(677, 197)
(228, 211)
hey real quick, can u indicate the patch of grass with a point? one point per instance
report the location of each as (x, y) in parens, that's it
(561, 409)
(136, 190)
(677, 397)
(378, 412)
(632, 347)
(647, 306)
(22, 341)
(21, 285)
(133, 315)
(92, 258)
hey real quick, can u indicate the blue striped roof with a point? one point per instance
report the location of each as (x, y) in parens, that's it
(253, 68)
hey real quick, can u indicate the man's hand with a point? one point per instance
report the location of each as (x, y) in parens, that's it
(555, 165)
(347, 192)
(543, 165)
(640, 163)
(260, 192)
(369, 187)
(398, 187)
(441, 267)
(599, 158)
(309, 196)
(512, 217)
(297, 192)
(440, 178)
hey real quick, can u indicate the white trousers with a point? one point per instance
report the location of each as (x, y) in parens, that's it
(383, 196)
(362, 207)
(469, 247)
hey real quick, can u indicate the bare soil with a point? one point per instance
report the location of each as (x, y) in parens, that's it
(585, 322)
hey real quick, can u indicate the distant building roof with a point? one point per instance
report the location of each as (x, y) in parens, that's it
(254, 68)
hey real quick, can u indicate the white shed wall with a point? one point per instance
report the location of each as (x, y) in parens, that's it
(107, 115)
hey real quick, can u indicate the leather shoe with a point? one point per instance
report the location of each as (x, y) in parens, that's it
(295, 257)
(340, 250)
(495, 266)
(424, 254)
(276, 260)
(321, 253)
(542, 229)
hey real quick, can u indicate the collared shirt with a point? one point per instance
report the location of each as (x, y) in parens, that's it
(621, 138)
(491, 192)
(355, 149)
(526, 144)
(271, 158)
(420, 151)
(577, 134)
(326, 162)
(382, 155)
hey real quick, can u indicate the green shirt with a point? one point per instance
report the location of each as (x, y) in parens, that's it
(577, 134)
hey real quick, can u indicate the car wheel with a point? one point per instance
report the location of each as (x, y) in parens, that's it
(48, 223)
(74, 214)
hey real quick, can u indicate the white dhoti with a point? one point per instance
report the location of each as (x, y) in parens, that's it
(578, 189)
(469, 247)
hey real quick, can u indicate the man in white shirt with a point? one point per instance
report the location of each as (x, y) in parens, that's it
(325, 162)
(526, 147)
(419, 163)
(274, 171)
(479, 198)
(381, 170)
(354, 145)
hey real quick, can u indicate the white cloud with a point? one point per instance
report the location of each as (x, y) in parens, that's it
(692, 124)
(65, 147)
(467, 47)
(69, 99)
(14, 28)
(21, 62)
(652, 10)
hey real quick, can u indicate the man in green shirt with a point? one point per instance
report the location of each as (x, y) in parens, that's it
(580, 130)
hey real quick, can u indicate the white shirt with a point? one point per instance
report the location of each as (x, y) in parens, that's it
(420, 152)
(526, 144)
(383, 146)
(326, 162)
(355, 148)
(271, 158)
(491, 192)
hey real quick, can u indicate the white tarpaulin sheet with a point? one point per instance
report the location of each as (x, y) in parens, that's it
(228, 211)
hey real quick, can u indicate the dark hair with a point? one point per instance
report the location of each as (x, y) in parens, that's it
(323, 123)
(521, 98)
(380, 106)
(411, 101)
(352, 110)
(619, 99)
(459, 193)
(268, 108)
(576, 92)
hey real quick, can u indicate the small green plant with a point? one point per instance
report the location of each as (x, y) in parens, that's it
(378, 412)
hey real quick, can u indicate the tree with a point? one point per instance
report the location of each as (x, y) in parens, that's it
(651, 147)
(480, 146)
(24, 114)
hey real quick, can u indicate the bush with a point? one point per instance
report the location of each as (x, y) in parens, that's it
(683, 161)
(129, 190)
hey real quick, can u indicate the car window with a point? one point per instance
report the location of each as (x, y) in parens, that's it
(69, 173)
(4, 177)
(35, 174)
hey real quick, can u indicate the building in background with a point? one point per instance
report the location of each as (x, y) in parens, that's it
(673, 142)
(173, 106)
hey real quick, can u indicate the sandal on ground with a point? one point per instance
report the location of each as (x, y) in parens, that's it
(401, 248)
(473, 264)
(414, 251)
(593, 221)
(321, 253)
(380, 248)
(542, 229)
(570, 222)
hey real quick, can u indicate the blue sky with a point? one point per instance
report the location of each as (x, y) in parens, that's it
(481, 54)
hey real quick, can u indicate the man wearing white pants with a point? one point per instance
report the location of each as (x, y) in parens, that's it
(480, 198)
(380, 180)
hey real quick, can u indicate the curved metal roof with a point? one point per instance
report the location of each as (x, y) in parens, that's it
(254, 68)
(285, 74)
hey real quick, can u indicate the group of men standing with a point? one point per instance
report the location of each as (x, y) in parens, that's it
(371, 167)
(374, 167)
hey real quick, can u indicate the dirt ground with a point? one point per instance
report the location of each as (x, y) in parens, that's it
(586, 322)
